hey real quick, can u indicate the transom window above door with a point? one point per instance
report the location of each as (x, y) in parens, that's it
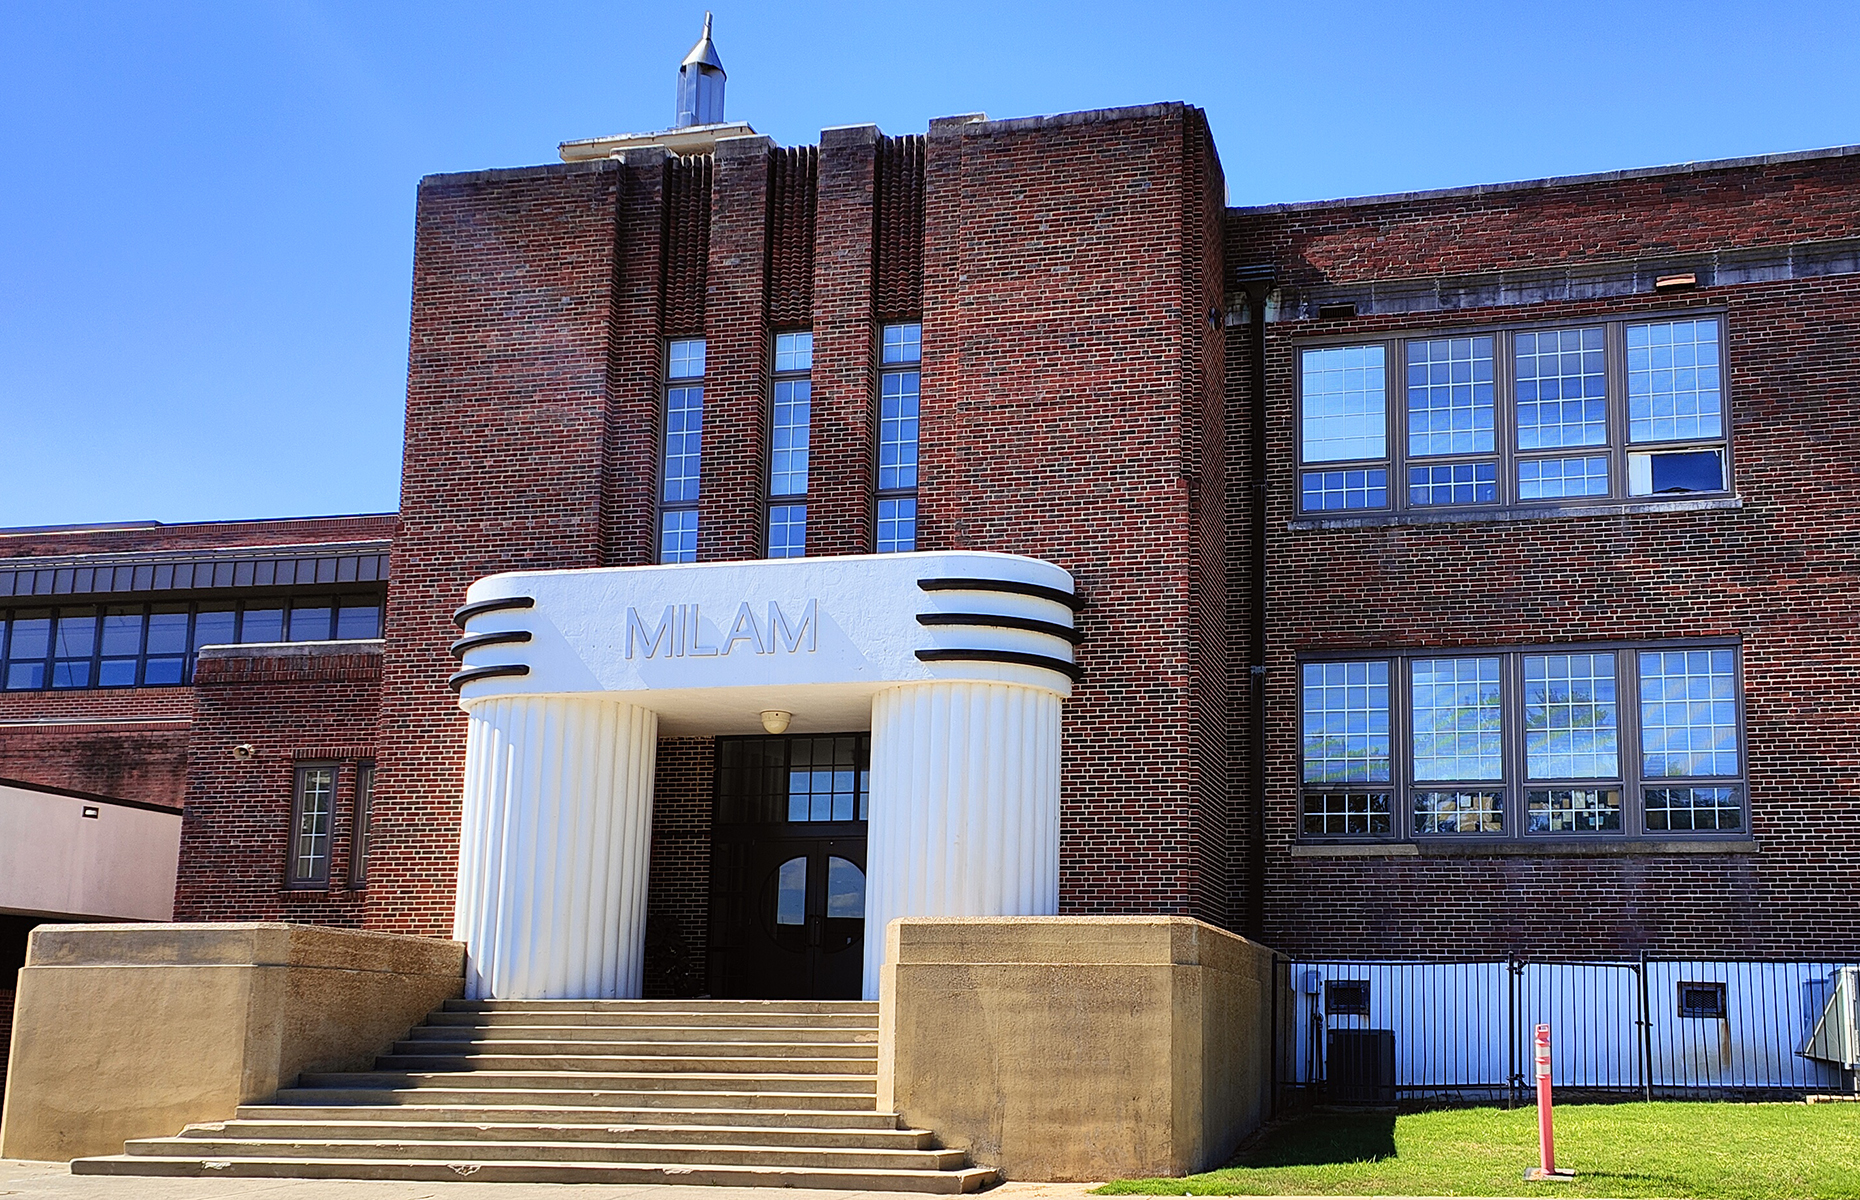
(794, 779)
(1542, 416)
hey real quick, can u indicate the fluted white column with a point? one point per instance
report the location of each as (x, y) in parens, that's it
(553, 848)
(964, 818)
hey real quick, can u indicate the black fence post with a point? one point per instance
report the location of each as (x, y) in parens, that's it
(1646, 1033)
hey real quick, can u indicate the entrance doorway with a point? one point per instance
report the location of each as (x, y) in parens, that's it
(787, 914)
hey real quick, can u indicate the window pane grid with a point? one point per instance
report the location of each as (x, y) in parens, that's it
(1690, 808)
(897, 430)
(1345, 403)
(684, 436)
(1673, 381)
(897, 524)
(1562, 388)
(1453, 483)
(1456, 714)
(1573, 810)
(1569, 716)
(678, 536)
(1613, 385)
(149, 645)
(1459, 812)
(1688, 713)
(1569, 770)
(899, 404)
(1329, 490)
(1557, 478)
(316, 788)
(1347, 813)
(788, 531)
(788, 438)
(1450, 396)
(1346, 722)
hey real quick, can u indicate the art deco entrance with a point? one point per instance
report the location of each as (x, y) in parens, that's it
(788, 857)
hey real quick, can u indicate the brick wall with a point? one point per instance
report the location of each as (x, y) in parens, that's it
(509, 370)
(200, 535)
(1775, 572)
(678, 899)
(1070, 413)
(290, 707)
(125, 742)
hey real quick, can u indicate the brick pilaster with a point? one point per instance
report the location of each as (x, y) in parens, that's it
(839, 518)
(736, 370)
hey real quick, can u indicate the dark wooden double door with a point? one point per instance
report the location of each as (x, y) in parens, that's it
(788, 868)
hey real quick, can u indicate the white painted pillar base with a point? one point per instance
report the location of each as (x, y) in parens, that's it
(554, 844)
(964, 818)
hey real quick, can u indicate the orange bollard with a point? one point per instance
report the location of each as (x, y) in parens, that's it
(1545, 1171)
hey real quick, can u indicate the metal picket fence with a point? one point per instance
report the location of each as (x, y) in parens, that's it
(1384, 1031)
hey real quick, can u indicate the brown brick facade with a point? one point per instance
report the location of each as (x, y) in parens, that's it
(1086, 400)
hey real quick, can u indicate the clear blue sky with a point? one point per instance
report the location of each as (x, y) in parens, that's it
(206, 212)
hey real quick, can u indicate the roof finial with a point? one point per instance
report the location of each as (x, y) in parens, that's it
(700, 84)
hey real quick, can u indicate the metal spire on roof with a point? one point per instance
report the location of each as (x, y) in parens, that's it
(700, 84)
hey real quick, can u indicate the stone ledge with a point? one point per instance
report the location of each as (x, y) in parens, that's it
(1536, 512)
(1547, 849)
(242, 943)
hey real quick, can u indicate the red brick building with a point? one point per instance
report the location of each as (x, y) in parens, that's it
(1459, 572)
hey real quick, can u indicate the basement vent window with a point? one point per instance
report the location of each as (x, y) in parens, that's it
(1342, 311)
(1702, 1000)
(1346, 997)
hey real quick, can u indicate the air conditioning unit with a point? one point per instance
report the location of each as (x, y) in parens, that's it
(1360, 1066)
(1836, 1036)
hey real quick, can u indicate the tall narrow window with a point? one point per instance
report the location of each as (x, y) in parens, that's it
(358, 843)
(684, 435)
(310, 816)
(788, 436)
(897, 437)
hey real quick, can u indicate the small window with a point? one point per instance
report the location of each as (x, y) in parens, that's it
(364, 815)
(311, 809)
(1702, 1000)
(899, 386)
(1346, 997)
(790, 427)
(682, 454)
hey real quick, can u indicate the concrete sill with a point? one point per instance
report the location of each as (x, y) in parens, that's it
(1566, 848)
(1531, 512)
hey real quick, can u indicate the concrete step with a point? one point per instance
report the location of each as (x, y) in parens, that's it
(949, 1182)
(616, 1081)
(418, 1107)
(539, 1097)
(628, 1064)
(659, 1018)
(681, 1050)
(712, 1155)
(700, 1007)
(542, 1029)
(606, 1128)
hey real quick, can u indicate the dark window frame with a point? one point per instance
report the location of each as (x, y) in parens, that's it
(97, 608)
(1717, 1008)
(361, 823)
(721, 815)
(318, 879)
(770, 500)
(1397, 460)
(1516, 782)
(880, 493)
(661, 507)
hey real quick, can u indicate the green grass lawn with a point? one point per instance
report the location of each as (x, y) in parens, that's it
(1676, 1150)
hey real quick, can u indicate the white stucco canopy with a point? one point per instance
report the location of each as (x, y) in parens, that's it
(956, 661)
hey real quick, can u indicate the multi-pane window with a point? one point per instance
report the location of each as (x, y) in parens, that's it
(364, 815)
(795, 778)
(312, 806)
(1577, 741)
(683, 450)
(789, 424)
(150, 645)
(1614, 409)
(898, 388)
